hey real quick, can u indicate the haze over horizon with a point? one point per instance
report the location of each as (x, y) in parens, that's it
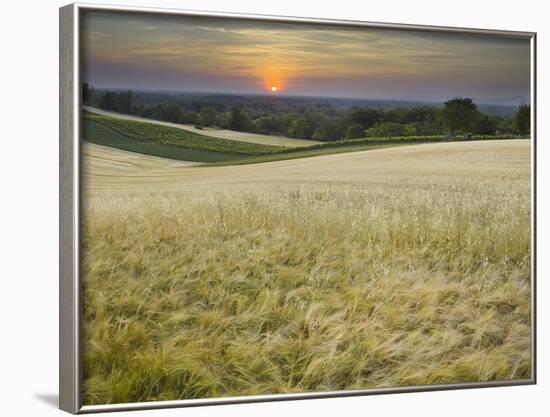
(122, 50)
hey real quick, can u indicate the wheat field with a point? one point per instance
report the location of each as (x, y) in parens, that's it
(390, 267)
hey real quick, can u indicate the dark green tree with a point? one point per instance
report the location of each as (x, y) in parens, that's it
(522, 119)
(123, 101)
(299, 128)
(238, 120)
(365, 117)
(208, 116)
(355, 131)
(329, 130)
(190, 117)
(172, 113)
(108, 101)
(486, 125)
(459, 114)
(386, 130)
(85, 93)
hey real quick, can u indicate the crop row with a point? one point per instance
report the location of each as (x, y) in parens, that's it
(166, 135)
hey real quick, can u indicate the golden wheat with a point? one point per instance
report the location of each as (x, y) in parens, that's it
(397, 267)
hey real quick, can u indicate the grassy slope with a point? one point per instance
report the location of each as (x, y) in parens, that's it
(102, 133)
(216, 133)
(97, 133)
(396, 267)
(165, 135)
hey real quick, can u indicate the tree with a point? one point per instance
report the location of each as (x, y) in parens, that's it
(486, 125)
(265, 125)
(299, 128)
(522, 119)
(172, 113)
(329, 130)
(91, 94)
(365, 117)
(386, 130)
(355, 131)
(85, 93)
(137, 108)
(123, 102)
(108, 101)
(190, 117)
(238, 120)
(459, 114)
(208, 116)
(223, 120)
(420, 115)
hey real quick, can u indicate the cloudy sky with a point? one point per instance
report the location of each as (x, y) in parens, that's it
(182, 53)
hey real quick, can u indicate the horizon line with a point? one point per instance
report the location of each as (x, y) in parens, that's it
(427, 100)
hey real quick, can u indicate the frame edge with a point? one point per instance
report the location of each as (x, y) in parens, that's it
(68, 302)
(534, 209)
(302, 19)
(69, 278)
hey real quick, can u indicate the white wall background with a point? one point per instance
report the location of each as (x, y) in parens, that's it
(28, 208)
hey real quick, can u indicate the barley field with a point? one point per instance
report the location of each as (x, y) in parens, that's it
(390, 267)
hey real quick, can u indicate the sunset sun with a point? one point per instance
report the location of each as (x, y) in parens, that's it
(273, 89)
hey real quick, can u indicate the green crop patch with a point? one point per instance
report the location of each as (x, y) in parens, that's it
(166, 135)
(100, 134)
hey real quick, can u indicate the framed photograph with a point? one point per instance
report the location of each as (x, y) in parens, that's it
(258, 208)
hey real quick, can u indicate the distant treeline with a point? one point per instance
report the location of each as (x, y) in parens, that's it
(312, 120)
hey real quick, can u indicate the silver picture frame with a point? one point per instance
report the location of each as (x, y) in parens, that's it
(70, 375)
